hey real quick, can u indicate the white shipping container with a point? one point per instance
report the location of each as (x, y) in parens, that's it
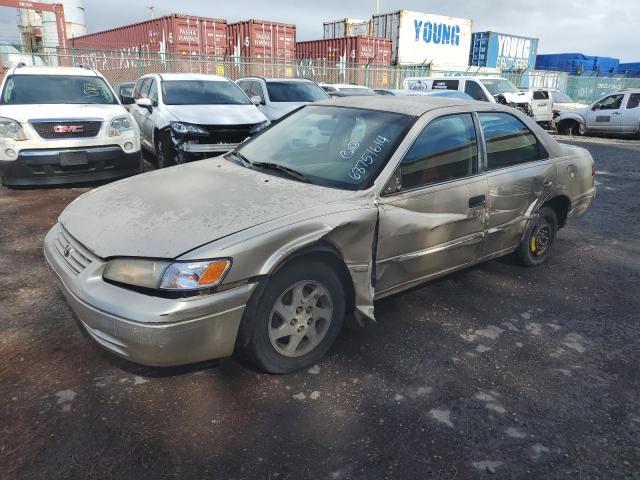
(347, 27)
(423, 38)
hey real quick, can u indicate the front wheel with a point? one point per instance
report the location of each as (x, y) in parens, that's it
(537, 241)
(298, 318)
(165, 156)
(572, 128)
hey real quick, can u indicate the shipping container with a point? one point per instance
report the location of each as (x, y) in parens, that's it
(578, 64)
(509, 53)
(423, 38)
(162, 44)
(346, 27)
(332, 60)
(629, 69)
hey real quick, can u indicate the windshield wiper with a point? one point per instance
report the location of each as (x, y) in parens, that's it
(242, 158)
(281, 168)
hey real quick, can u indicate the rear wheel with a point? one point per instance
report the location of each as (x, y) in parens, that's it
(537, 241)
(298, 318)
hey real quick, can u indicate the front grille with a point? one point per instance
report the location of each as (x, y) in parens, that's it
(226, 133)
(51, 129)
(72, 253)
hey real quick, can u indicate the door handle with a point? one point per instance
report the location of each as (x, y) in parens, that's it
(615, 113)
(479, 201)
(547, 183)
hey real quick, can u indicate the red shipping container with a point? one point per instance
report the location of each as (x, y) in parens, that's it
(163, 44)
(351, 50)
(262, 39)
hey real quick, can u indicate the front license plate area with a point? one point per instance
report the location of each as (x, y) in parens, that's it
(68, 159)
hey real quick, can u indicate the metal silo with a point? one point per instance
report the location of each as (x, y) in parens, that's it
(74, 20)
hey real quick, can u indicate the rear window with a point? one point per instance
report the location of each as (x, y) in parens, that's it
(445, 84)
(55, 89)
(295, 92)
(202, 92)
(541, 95)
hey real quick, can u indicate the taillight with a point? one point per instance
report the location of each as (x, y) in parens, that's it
(593, 169)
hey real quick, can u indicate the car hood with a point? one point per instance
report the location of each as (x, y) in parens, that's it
(25, 113)
(217, 114)
(168, 212)
(569, 106)
(278, 109)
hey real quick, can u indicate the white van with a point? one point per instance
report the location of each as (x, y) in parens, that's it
(485, 89)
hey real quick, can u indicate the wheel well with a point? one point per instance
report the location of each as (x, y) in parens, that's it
(327, 254)
(560, 206)
(321, 251)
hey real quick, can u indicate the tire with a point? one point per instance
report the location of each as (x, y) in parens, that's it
(299, 299)
(165, 156)
(536, 243)
(572, 128)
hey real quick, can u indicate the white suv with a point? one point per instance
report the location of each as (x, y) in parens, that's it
(63, 125)
(188, 116)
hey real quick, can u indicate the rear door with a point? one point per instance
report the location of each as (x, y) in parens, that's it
(604, 115)
(433, 219)
(518, 172)
(542, 106)
(630, 117)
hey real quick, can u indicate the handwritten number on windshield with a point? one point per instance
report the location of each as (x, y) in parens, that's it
(367, 158)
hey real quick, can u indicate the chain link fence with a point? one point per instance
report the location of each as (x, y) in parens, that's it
(129, 64)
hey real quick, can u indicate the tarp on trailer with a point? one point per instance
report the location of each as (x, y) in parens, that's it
(578, 64)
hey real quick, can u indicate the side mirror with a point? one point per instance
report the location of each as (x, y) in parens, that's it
(127, 100)
(256, 100)
(145, 103)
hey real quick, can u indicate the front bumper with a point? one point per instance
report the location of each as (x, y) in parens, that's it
(142, 328)
(43, 166)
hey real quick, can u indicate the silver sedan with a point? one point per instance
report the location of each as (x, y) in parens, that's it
(267, 249)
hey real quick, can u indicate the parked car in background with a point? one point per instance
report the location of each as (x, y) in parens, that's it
(124, 91)
(547, 103)
(266, 249)
(422, 93)
(484, 89)
(63, 125)
(275, 97)
(337, 90)
(186, 116)
(616, 113)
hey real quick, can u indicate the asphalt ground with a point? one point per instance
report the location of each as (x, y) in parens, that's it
(498, 371)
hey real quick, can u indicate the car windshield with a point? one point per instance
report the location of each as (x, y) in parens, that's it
(295, 92)
(560, 97)
(330, 146)
(497, 86)
(56, 89)
(202, 92)
(356, 91)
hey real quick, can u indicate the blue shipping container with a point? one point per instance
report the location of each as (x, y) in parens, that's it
(629, 69)
(578, 64)
(510, 53)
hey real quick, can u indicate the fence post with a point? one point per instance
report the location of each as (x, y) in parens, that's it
(139, 61)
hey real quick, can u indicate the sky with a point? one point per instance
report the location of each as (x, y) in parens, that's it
(592, 27)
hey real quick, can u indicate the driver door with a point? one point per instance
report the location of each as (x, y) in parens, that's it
(604, 115)
(432, 214)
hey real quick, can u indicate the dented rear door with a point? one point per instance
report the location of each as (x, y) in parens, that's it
(434, 222)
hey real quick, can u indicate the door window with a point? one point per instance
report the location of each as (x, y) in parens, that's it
(634, 101)
(144, 90)
(153, 92)
(540, 95)
(612, 102)
(137, 88)
(245, 85)
(256, 91)
(509, 142)
(445, 150)
(475, 91)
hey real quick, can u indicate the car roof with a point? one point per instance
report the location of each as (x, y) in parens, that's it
(348, 85)
(461, 77)
(278, 79)
(76, 71)
(189, 76)
(407, 105)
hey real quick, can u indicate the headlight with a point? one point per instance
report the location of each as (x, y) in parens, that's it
(186, 128)
(166, 275)
(259, 127)
(119, 125)
(11, 129)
